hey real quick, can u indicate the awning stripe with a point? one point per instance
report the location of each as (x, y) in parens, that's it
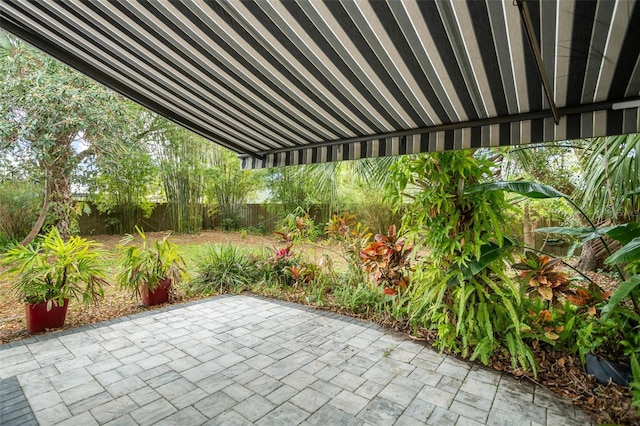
(571, 126)
(117, 73)
(299, 82)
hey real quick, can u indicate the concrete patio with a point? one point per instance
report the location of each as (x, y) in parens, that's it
(239, 360)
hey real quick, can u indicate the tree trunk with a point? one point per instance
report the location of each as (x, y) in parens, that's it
(528, 236)
(62, 201)
(594, 253)
(43, 215)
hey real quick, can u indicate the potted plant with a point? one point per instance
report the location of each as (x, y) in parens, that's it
(50, 272)
(149, 270)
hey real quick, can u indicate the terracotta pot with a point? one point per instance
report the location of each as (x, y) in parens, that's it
(39, 319)
(158, 296)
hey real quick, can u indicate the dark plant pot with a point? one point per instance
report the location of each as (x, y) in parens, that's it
(157, 296)
(605, 371)
(39, 319)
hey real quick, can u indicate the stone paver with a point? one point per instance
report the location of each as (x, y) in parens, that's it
(240, 360)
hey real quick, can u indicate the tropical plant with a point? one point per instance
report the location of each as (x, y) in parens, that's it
(461, 288)
(538, 272)
(352, 236)
(387, 258)
(539, 191)
(53, 270)
(298, 226)
(276, 266)
(149, 263)
(224, 268)
(629, 254)
(611, 173)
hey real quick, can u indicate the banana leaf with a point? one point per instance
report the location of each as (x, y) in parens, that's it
(583, 234)
(630, 252)
(625, 233)
(623, 291)
(526, 188)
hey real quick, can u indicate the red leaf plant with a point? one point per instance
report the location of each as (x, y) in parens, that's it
(387, 258)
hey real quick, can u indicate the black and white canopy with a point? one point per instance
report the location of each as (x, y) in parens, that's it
(308, 81)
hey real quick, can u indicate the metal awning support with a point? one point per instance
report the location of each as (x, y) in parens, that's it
(535, 48)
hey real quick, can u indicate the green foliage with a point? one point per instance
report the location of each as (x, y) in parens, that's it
(452, 224)
(625, 290)
(550, 325)
(225, 268)
(53, 270)
(276, 266)
(635, 384)
(489, 253)
(611, 172)
(298, 226)
(227, 185)
(628, 254)
(552, 164)
(528, 189)
(483, 314)
(291, 187)
(461, 290)
(361, 298)
(352, 236)
(183, 159)
(121, 184)
(149, 263)
(20, 203)
(47, 111)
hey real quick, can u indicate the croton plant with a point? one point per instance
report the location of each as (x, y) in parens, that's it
(387, 258)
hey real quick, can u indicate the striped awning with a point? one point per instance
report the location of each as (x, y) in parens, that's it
(285, 83)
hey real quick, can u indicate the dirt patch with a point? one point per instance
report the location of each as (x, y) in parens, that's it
(204, 237)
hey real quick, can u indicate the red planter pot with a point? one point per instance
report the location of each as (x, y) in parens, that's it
(39, 319)
(158, 296)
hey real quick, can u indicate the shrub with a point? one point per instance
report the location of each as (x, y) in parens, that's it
(387, 257)
(224, 268)
(276, 266)
(352, 236)
(298, 226)
(539, 273)
(361, 298)
(20, 204)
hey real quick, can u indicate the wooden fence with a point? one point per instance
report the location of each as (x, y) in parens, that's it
(264, 218)
(261, 217)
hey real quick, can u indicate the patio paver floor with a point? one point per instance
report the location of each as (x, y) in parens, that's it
(240, 360)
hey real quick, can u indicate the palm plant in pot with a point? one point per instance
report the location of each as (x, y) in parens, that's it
(149, 269)
(50, 272)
